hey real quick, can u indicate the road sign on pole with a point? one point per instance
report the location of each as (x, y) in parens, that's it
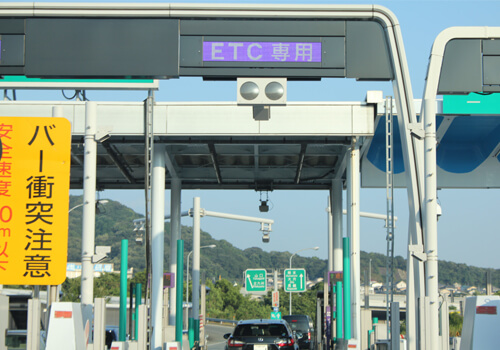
(276, 298)
(275, 315)
(334, 277)
(255, 280)
(295, 280)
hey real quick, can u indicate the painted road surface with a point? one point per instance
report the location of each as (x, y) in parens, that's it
(215, 333)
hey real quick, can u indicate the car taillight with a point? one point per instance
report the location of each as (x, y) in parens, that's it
(234, 343)
(286, 342)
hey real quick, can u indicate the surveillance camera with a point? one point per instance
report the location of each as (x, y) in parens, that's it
(263, 207)
(266, 238)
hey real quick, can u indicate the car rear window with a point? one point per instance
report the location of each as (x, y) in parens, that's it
(259, 330)
(298, 324)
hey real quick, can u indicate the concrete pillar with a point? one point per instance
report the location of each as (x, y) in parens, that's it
(157, 244)
(336, 205)
(175, 234)
(330, 235)
(89, 188)
(353, 186)
(430, 219)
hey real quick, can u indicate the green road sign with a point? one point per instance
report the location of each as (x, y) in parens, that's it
(255, 280)
(295, 280)
(275, 315)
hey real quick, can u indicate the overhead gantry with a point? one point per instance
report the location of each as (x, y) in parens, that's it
(344, 41)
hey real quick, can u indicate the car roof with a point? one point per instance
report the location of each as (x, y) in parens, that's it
(295, 316)
(261, 321)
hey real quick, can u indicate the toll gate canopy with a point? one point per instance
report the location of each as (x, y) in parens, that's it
(302, 146)
(221, 146)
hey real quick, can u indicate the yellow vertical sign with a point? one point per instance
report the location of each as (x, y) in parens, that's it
(34, 199)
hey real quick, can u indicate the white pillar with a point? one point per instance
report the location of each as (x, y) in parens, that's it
(89, 187)
(353, 185)
(196, 260)
(430, 219)
(330, 235)
(157, 244)
(337, 217)
(53, 295)
(175, 234)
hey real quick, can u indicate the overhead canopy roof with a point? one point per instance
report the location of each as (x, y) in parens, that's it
(216, 145)
(303, 145)
(468, 152)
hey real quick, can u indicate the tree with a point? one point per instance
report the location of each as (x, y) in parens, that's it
(106, 285)
(302, 303)
(456, 322)
(71, 290)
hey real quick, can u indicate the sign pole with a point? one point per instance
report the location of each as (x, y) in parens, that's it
(179, 283)
(195, 314)
(89, 188)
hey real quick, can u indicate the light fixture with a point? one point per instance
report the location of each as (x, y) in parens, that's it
(274, 91)
(249, 91)
(263, 207)
(266, 237)
(261, 94)
(98, 207)
(261, 91)
(439, 211)
(139, 239)
(139, 224)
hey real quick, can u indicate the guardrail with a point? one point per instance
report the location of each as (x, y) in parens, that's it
(221, 321)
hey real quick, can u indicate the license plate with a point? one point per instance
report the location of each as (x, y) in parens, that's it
(260, 347)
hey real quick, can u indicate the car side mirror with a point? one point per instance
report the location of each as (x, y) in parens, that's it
(227, 335)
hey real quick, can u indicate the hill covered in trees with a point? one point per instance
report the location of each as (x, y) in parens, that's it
(114, 223)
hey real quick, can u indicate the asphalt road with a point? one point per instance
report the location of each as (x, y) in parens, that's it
(215, 336)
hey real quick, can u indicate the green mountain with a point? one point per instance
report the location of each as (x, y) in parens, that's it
(114, 223)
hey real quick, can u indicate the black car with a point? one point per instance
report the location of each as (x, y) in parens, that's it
(303, 327)
(261, 335)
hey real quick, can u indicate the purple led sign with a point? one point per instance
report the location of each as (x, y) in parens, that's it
(261, 51)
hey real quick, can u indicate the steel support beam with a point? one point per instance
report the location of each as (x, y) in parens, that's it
(213, 155)
(119, 162)
(300, 163)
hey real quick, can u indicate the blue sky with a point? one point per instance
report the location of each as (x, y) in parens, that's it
(469, 227)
